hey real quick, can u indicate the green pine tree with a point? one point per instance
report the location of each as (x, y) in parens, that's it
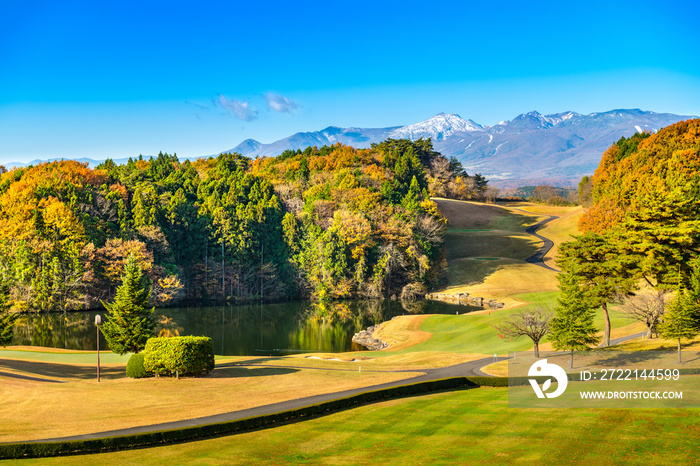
(680, 320)
(572, 326)
(600, 268)
(7, 319)
(129, 324)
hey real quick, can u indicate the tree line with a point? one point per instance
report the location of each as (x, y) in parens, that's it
(329, 222)
(641, 241)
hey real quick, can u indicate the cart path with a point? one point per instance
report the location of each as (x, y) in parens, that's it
(466, 369)
(538, 257)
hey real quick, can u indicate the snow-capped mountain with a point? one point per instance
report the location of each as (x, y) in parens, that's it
(439, 127)
(530, 148)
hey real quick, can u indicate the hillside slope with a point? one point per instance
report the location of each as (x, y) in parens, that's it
(486, 247)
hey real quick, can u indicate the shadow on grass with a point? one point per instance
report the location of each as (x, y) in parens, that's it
(493, 245)
(246, 362)
(62, 371)
(619, 359)
(238, 372)
(464, 215)
(469, 272)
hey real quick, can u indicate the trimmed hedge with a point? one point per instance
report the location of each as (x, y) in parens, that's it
(135, 368)
(179, 355)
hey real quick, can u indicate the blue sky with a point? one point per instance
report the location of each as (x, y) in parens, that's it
(87, 79)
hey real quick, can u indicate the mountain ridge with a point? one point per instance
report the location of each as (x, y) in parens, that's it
(557, 148)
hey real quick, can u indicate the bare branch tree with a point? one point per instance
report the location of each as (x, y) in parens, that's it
(533, 324)
(647, 308)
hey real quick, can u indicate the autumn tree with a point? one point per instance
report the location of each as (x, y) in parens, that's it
(647, 308)
(346, 221)
(532, 323)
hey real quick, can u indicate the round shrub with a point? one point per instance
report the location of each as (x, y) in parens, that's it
(135, 368)
(177, 356)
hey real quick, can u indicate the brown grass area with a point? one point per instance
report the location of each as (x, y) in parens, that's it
(660, 344)
(402, 332)
(497, 369)
(615, 332)
(558, 230)
(42, 349)
(35, 410)
(512, 277)
(505, 239)
(377, 360)
(468, 215)
(60, 372)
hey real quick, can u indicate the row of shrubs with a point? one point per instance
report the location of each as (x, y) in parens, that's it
(151, 439)
(174, 356)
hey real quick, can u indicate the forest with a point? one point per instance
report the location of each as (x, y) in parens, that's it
(641, 229)
(322, 223)
(645, 199)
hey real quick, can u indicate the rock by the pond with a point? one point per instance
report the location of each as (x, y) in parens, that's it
(465, 299)
(366, 339)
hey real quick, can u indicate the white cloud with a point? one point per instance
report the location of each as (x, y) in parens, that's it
(239, 109)
(280, 103)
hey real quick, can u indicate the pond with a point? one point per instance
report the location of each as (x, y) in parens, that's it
(244, 330)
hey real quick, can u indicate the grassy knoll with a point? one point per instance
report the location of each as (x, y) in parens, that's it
(558, 230)
(486, 247)
(460, 427)
(474, 332)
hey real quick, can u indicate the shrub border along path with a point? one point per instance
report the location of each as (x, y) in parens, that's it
(465, 375)
(452, 377)
(467, 369)
(66, 447)
(459, 376)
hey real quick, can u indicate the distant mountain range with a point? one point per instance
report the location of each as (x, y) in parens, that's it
(530, 149)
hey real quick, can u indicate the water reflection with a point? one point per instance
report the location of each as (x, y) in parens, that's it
(246, 330)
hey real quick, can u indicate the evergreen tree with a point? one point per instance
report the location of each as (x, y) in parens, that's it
(600, 269)
(682, 319)
(572, 326)
(129, 324)
(7, 319)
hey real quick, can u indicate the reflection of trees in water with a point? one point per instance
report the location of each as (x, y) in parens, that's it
(361, 313)
(241, 329)
(167, 327)
(65, 330)
(330, 326)
(413, 306)
(329, 312)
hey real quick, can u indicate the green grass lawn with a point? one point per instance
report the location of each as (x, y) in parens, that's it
(474, 333)
(62, 357)
(461, 427)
